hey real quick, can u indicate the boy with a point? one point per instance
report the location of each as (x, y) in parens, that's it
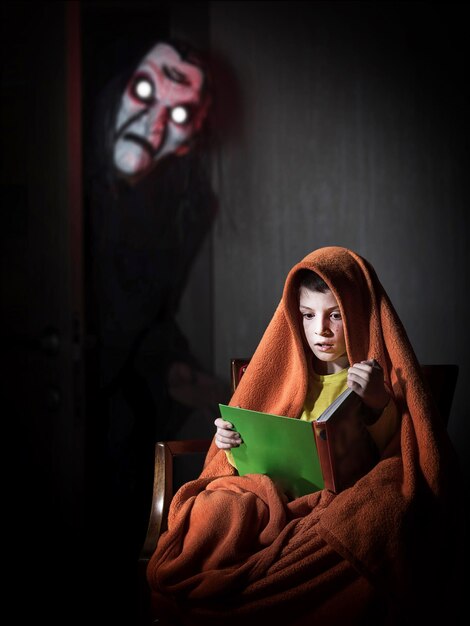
(330, 373)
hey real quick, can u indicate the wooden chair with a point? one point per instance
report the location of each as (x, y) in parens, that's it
(442, 380)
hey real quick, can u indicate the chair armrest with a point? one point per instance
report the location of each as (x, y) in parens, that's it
(165, 451)
(162, 487)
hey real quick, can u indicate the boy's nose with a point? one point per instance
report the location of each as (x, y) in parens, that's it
(322, 327)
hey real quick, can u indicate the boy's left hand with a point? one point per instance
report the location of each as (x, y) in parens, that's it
(367, 380)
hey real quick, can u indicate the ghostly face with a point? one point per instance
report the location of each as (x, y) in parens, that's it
(161, 109)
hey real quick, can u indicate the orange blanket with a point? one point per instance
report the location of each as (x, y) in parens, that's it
(236, 550)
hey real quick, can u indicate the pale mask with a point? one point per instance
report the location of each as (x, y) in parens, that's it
(161, 110)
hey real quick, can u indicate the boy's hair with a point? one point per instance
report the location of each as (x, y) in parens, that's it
(311, 281)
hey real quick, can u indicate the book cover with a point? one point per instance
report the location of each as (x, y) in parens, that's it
(302, 457)
(284, 448)
(345, 446)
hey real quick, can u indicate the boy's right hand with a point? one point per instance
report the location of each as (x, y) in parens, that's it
(225, 437)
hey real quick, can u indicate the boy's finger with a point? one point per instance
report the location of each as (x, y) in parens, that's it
(357, 377)
(373, 362)
(220, 423)
(361, 367)
(228, 437)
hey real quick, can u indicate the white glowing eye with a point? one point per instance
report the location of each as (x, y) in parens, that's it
(179, 115)
(143, 89)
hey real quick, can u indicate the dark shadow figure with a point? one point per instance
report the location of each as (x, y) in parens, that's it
(142, 239)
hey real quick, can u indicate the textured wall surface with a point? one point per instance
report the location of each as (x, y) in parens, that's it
(342, 124)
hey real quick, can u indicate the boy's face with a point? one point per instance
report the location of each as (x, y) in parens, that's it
(324, 331)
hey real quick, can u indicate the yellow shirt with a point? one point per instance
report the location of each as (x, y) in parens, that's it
(321, 392)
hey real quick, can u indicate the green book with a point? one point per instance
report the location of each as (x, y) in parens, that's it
(282, 447)
(332, 452)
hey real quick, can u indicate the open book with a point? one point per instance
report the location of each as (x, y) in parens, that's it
(332, 452)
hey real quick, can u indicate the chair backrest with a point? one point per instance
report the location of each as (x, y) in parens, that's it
(237, 369)
(441, 379)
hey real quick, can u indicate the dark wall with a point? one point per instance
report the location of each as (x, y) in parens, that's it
(353, 131)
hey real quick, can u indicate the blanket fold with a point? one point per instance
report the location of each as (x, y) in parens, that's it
(236, 548)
